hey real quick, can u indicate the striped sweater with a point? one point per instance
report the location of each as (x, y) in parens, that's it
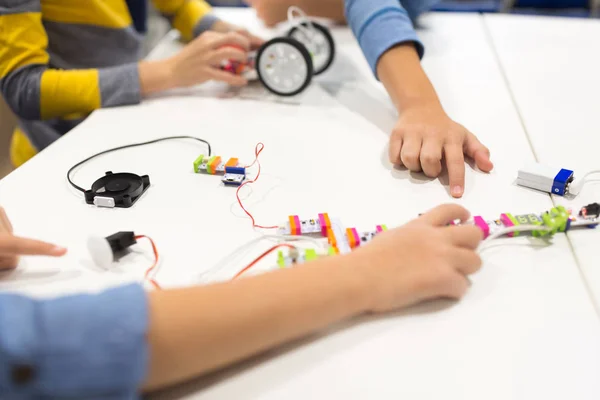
(62, 59)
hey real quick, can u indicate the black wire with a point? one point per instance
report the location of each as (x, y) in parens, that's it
(127, 147)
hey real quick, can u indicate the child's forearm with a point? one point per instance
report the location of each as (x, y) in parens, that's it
(197, 330)
(400, 71)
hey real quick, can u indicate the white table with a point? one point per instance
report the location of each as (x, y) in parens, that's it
(527, 329)
(553, 69)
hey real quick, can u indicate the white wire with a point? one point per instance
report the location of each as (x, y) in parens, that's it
(308, 30)
(518, 228)
(577, 185)
(279, 238)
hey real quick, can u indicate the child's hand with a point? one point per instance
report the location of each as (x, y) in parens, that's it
(11, 247)
(422, 260)
(425, 135)
(225, 27)
(201, 59)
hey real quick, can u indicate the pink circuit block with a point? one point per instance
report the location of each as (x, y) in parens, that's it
(356, 237)
(481, 224)
(379, 229)
(507, 223)
(298, 226)
(323, 225)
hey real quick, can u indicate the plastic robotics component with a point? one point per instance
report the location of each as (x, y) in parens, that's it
(316, 38)
(117, 190)
(557, 219)
(285, 65)
(233, 174)
(343, 240)
(591, 211)
(105, 251)
(546, 179)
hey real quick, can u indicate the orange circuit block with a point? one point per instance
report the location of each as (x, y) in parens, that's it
(325, 223)
(212, 166)
(350, 236)
(233, 162)
(293, 227)
(331, 237)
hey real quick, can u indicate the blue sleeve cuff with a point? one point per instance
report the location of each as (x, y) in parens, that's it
(379, 26)
(75, 346)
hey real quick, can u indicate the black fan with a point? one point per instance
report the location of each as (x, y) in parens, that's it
(117, 190)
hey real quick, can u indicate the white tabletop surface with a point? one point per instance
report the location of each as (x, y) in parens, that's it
(553, 68)
(527, 328)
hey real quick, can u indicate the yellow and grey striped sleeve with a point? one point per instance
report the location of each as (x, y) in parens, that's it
(33, 90)
(189, 17)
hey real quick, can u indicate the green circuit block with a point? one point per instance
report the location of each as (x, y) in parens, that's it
(556, 219)
(310, 255)
(198, 162)
(280, 259)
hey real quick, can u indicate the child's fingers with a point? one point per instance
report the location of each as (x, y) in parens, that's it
(467, 262)
(456, 287)
(231, 39)
(445, 214)
(227, 77)
(227, 53)
(455, 162)
(14, 246)
(410, 154)
(394, 152)
(255, 41)
(5, 222)
(8, 262)
(431, 157)
(478, 152)
(466, 236)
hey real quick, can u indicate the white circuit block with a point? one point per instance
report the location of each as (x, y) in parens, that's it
(545, 178)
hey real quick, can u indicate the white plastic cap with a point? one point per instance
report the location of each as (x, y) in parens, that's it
(100, 251)
(576, 186)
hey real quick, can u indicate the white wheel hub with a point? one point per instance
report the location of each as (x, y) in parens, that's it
(317, 45)
(283, 67)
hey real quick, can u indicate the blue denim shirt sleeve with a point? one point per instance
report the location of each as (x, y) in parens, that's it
(82, 346)
(382, 24)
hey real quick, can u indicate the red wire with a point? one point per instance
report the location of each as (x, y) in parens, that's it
(155, 250)
(263, 255)
(259, 148)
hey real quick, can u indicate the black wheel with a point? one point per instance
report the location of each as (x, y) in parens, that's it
(321, 46)
(284, 66)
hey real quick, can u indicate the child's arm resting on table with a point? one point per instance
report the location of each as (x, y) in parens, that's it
(74, 347)
(424, 134)
(231, 321)
(124, 340)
